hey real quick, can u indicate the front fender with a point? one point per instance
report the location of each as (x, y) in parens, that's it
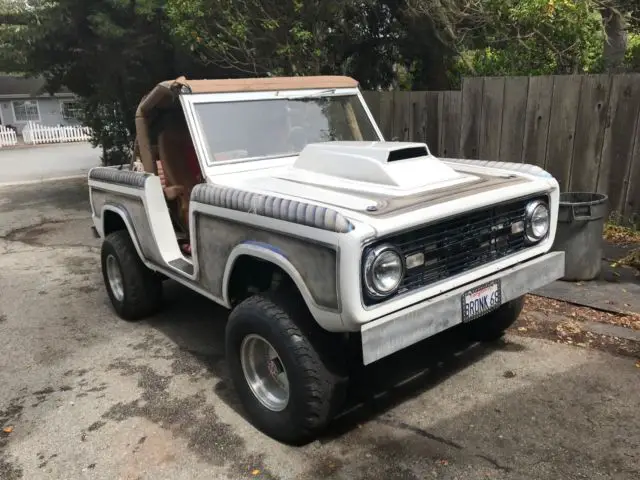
(329, 320)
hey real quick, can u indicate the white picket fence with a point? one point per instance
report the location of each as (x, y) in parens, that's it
(8, 137)
(34, 133)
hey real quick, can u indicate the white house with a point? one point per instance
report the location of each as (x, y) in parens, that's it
(24, 100)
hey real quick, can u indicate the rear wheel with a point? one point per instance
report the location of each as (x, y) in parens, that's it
(492, 327)
(134, 290)
(281, 364)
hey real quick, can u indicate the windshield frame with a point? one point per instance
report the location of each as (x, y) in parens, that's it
(189, 102)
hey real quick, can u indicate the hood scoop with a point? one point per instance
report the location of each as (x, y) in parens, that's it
(407, 153)
(402, 165)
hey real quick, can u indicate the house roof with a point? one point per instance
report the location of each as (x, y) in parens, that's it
(13, 86)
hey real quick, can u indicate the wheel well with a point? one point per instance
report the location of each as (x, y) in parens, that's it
(251, 275)
(113, 222)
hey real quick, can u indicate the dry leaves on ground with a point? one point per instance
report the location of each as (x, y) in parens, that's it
(631, 260)
(620, 235)
(570, 332)
(549, 306)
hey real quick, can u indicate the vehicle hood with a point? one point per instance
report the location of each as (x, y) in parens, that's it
(376, 178)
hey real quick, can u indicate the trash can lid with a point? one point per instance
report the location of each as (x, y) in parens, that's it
(582, 198)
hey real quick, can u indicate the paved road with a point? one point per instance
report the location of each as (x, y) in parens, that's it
(90, 396)
(43, 162)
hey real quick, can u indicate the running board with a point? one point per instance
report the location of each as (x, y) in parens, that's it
(182, 266)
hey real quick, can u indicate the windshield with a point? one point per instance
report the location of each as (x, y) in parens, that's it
(280, 127)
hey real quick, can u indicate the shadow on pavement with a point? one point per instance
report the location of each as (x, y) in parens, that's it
(197, 325)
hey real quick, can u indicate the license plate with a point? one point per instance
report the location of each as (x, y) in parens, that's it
(481, 300)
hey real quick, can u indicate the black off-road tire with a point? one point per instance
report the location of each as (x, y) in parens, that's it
(492, 327)
(311, 357)
(142, 287)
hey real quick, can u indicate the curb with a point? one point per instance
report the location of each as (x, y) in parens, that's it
(23, 146)
(593, 327)
(613, 331)
(41, 180)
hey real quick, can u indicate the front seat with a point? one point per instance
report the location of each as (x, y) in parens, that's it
(174, 147)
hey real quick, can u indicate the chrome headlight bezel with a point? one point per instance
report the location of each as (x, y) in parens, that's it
(372, 289)
(530, 211)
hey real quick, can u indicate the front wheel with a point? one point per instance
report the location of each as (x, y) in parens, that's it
(134, 290)
(492, 326)
(282, 368)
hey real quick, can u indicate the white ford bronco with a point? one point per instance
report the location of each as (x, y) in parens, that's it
(279, 199)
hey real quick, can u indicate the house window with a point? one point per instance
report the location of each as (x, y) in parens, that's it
(71, 110)
(26, 111)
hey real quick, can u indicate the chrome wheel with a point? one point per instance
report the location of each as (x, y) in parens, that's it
(264, 372)
(114, 275)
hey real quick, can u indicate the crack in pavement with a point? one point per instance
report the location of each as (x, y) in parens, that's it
(419, 431)
(444, 441)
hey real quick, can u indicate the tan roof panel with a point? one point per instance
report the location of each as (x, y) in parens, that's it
(269, 83)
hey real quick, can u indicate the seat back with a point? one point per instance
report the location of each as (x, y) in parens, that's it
(173, 147)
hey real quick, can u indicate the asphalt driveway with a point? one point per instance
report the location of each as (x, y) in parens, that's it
(35, 163)
(86, 395)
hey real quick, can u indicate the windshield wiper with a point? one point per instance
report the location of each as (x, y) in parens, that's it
(312, 95)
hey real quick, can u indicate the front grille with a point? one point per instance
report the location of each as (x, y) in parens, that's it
(460, 244)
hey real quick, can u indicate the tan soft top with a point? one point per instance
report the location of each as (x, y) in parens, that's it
(266, 84)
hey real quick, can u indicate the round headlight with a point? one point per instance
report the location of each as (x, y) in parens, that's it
(537, 219)
(383, 271)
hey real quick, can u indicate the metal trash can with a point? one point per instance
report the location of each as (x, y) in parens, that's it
(580, 226)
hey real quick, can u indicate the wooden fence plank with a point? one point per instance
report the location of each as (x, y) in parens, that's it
(562, 128)
(590, 127)
(432, 107)
(372, 100)
(471, 111)
(537, 117)
(491, 118)
(417, 116)
(631, 207)
(450, 121)
(512, 131)
(402, 116)
(386, 114)
(617, 151)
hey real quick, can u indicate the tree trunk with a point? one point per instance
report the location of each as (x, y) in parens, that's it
(615, 46)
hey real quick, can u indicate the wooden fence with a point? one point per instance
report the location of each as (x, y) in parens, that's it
(8, 137)
(584, 129)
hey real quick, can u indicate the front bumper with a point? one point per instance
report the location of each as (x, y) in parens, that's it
(399, 330)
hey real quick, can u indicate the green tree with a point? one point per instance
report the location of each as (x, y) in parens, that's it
(291, 37)
(516, 37)
(619, 18)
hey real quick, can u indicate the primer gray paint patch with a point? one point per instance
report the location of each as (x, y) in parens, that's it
(217, 238)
